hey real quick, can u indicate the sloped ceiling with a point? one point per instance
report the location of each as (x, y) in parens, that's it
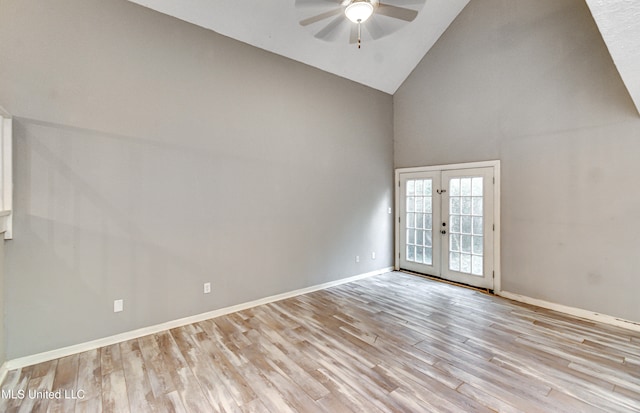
(619, 24)
(384, 63)
(272, 25)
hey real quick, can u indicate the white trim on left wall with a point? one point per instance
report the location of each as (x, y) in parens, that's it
(6, 174)
(3, 371)
(145, 331)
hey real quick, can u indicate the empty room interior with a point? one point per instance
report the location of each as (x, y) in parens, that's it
(320, 206)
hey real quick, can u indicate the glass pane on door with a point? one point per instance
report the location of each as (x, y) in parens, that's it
(419, 221)
(466, 238)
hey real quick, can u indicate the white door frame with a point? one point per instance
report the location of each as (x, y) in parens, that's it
(495, 164)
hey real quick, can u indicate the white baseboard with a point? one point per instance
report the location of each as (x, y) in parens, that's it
(577, 312)
(118, 338)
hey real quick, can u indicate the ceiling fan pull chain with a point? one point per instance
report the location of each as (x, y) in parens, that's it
(359, 32)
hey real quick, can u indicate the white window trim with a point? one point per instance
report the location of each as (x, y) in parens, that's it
(6, 174)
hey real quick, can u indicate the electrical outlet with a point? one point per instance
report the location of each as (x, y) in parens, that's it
(207, 288)
(357, 258)
(118, 305)
(373, 255)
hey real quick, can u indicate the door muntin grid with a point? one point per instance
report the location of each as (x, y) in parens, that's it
(419, 221)
(466, 226)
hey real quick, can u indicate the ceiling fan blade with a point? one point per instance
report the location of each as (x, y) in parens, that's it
(329, 28)
(353, 35)
(396, 12)
(320, 17)
(316, 3)
(374, 28)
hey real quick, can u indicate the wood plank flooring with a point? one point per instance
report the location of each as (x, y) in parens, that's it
(390, 343)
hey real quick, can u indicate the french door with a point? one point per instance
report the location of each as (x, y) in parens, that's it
(446, 223)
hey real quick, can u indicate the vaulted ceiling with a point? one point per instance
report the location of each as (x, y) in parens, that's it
(619, 24)
(383, 63)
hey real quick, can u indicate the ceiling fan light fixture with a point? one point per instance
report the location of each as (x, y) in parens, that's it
(359, 11)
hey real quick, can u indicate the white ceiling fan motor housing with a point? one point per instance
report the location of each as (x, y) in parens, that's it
(358, 11)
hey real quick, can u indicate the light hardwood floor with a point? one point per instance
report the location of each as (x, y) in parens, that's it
(390, 343)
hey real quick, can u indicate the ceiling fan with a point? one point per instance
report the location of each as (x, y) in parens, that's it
(378, 18)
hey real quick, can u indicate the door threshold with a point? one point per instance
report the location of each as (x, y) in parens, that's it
(442, 280)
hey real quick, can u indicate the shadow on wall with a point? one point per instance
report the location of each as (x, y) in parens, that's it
(103, 216)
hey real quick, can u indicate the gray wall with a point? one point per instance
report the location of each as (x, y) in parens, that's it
(152, 156)
(531, 83)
